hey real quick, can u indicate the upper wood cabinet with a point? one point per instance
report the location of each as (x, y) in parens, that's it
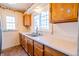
(27, 20)
(63, 12)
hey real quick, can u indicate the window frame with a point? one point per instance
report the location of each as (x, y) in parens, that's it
(12, 24)
(40, 18)
(34, 21)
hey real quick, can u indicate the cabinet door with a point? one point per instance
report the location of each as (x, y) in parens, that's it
(22, 37)
(52, 52)
(30, 46)
(27, 20)
(64, 12)
(38, 49)
(23, 42)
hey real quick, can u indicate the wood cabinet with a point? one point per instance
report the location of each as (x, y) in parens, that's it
(27, 20)
(23, 42)
(27, 44)
(35, 48)
(30, 46)
(63, 12)
(52, 52)
(38, 49)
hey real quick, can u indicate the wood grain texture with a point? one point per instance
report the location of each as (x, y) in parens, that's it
(14, 51)
(38, 49)
(52, 52)
(35, 48)
(30, 46)
(59, 12)
(27, 20)
(23, 42)
(27, 44)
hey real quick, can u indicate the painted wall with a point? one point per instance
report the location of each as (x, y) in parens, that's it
(11, 38)
(78, 35)
(66, 30)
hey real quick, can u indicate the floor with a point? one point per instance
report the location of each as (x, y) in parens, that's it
(14, 51)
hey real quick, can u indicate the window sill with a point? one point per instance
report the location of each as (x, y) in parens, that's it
(9, 30)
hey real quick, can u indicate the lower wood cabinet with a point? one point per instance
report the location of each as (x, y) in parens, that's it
(27, 44)
(23, 42)
(38, 49)
(30, 46)
(52, 52)
(35, 48)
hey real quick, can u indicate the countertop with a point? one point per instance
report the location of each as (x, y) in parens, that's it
(56, 42)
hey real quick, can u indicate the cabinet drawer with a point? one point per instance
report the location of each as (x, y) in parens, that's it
(52, 52)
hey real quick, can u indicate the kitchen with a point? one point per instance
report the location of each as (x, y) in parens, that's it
(42, 29)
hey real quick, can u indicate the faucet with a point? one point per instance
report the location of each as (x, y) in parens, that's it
(36, 30)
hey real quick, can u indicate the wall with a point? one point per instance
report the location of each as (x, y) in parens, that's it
(11, 38)
(66, 30)
(78, 35)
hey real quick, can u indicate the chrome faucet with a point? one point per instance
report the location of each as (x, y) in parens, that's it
(36, 30)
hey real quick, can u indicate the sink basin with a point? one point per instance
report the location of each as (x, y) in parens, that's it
(34, 35)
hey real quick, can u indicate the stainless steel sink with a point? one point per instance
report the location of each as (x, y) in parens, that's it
(34, 35)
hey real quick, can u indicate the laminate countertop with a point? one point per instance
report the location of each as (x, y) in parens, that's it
(56, 42)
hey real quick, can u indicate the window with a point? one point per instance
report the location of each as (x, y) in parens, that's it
(44, 21)
(10, 23)
(36, 21)
(41, 21)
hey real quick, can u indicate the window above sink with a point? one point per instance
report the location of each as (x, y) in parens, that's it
(41, 21)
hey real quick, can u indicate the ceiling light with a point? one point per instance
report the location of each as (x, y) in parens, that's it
(37, 9)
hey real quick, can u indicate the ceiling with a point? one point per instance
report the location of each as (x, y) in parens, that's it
(22, 7)
(38, 7)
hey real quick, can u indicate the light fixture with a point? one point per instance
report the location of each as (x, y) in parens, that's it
(37, 9)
